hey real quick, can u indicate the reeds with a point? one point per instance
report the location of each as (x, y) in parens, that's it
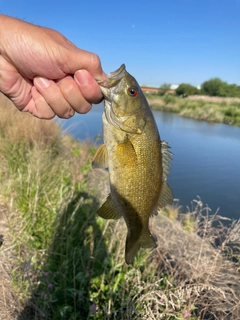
(212, 109)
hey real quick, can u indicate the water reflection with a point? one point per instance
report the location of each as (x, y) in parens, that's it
(206, 159)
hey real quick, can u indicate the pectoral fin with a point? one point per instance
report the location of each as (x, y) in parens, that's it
(100, 159)
(126, 154)
(108, 210)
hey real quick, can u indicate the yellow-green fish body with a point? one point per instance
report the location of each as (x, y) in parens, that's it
(136, 159)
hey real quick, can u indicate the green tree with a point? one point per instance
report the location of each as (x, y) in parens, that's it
(215, 87)
(186, 89)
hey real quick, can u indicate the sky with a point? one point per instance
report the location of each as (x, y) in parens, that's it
(161, 41)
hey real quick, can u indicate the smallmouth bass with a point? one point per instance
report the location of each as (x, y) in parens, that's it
(137, 160)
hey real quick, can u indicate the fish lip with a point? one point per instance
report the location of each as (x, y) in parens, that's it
(119, 73)
(112, 80)
(106, 92)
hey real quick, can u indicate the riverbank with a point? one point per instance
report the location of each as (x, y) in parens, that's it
(67, 263)
(212, 109)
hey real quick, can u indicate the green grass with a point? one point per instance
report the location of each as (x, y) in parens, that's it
(206, 109)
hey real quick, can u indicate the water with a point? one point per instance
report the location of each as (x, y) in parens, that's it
(206, 160)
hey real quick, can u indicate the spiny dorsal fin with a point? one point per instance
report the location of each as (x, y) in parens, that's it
(100, 159)
(166, 196)
(108, 210)
(166, 157)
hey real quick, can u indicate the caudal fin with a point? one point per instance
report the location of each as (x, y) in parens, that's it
(146, 240)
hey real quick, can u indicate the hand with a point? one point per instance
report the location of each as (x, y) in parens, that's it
(43, 73)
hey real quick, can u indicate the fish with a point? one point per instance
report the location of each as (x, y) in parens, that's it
(137, 161)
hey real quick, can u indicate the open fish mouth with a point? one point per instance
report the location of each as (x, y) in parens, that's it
(112, 80)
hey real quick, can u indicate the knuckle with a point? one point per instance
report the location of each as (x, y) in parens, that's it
(95, 60)
(85, 108)
(69, 113)
(68, 88)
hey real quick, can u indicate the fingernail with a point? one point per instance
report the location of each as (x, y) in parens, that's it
(81, 76)
(42, 83)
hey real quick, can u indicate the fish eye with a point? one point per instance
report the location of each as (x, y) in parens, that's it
(133, 92)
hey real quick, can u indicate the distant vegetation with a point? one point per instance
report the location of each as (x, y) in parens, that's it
(185, 89)
(215, 101)
(214, 87)
(217, 88)
(212, 109)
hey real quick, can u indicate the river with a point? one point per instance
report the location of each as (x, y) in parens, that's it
(206, 157)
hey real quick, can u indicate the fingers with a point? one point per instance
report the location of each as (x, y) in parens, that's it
(38, 106)
(53, 97)
(67, 95)
(46, 98)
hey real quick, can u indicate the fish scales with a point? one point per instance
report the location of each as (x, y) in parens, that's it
(137, 160)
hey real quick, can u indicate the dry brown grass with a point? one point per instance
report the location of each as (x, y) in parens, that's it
(213, 99)
(31, 128)
(205, 263)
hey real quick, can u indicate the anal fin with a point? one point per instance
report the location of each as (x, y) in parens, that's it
(108, 210)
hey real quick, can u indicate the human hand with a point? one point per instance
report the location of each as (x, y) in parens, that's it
(43, 73)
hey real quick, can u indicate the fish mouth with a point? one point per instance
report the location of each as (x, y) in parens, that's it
(112, 80)
(115, 76)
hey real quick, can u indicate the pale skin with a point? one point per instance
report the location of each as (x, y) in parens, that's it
(43, 73)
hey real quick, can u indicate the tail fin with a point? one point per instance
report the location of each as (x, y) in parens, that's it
(133, 244)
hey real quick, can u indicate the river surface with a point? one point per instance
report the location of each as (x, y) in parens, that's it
(206, 157)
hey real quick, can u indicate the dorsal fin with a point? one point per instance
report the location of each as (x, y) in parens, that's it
(166, 196)
(166, 157)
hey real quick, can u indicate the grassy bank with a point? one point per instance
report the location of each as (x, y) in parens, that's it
(212, 109)
(67, 263)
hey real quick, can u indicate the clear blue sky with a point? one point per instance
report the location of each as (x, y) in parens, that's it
(159, 41)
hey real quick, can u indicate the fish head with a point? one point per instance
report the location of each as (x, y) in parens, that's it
(124, 100)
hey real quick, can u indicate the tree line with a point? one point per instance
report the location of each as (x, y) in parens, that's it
(214, 87)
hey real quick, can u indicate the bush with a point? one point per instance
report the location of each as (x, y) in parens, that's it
(217, 87)
(186, 89)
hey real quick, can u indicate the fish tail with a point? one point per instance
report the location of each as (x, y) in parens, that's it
(133, 245)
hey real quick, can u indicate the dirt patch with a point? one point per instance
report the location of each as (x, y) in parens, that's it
(8, 298)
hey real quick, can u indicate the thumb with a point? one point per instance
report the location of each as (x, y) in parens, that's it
(81, 59)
